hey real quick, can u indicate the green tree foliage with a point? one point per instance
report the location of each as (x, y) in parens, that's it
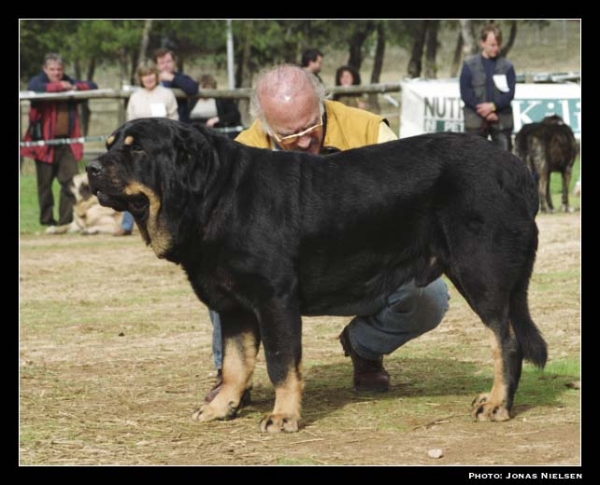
(258, 43)
(85, 43)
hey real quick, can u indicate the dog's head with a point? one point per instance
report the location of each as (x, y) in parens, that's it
(156, 169)
(81, 187)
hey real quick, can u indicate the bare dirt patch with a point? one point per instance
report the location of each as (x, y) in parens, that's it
(115, 354)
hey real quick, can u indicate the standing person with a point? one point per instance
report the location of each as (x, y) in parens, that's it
(348, 76)
(169, 77)
(152, 99)
(291, 113)
(149, 101)
(312, 61)
(487, 88)
(50, 120)
(214, 112)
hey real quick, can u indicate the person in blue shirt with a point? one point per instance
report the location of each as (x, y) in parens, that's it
(487, 88)
(169, 77)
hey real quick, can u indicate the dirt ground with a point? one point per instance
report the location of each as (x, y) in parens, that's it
(115, 354)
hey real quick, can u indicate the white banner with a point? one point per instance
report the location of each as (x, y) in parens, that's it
(435, 105)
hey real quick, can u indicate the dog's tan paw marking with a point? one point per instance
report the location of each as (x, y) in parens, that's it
(128, 140)
(279, 423)
(110, 140)
(482, 409)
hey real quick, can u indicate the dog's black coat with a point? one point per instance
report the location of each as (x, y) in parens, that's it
(266, 237)
(548, 146)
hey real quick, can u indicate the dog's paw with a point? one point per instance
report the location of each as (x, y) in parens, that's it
(209, 412)
(279, 423)
(483, 409)
(567, 209)
(73, 228)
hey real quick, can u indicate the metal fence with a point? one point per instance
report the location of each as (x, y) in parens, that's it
(108, 108)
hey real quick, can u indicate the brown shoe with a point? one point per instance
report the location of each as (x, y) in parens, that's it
(369, 375)
(121, 232)
(210, 395)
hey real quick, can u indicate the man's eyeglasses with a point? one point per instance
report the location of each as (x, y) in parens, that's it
(291, 139)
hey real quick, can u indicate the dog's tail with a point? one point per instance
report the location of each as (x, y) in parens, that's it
(530, 339)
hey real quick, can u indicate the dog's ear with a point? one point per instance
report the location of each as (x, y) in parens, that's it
(195, 159)
(183, 171)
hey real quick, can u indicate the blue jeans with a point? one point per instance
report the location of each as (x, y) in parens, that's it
(127, 221)
(217, 343)
(405, 314)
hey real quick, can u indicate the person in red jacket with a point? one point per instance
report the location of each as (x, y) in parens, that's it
(50, 120)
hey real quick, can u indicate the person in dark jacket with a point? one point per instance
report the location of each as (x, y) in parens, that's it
(214, 112)
(169, 77)
(487, 88)
(312, 61)
(49, 120)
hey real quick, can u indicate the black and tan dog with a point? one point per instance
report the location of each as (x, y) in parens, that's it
(266, 237)
(548, 146)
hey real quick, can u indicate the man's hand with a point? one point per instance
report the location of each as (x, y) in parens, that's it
(486, 109)
(67, 86)
(166, 76)
(212, 121)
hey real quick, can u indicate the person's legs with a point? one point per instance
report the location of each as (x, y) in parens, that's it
(501, 138)
(410, 311)
(481, 131)
(126, 225)
(67, 169)
(45, 176)
(217, 342)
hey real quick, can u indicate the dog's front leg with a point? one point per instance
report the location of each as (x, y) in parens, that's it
(240, 345)
(281, 332)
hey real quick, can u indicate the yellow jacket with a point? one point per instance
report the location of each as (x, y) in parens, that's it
(346, 128)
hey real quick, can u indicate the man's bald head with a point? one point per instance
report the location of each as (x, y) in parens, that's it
(280, 90)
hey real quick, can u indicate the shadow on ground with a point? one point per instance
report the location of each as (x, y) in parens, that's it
(328, 387)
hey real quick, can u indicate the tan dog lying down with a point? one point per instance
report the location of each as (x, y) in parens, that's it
(89, 217)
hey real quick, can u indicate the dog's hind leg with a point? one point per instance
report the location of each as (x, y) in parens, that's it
(497, 404)
(537, 157)
(566, 181)
(240, 346)
(486, 291)
(524, 341)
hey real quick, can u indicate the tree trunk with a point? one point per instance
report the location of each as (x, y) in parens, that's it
(457, 58)
(432, 27)
(126, 77)
(291, 47)
(377, 67)
(469, 44)
(145, 38)
(415, 64)
(244, 72)
(356, 42)
(86, 112)
(511, 39)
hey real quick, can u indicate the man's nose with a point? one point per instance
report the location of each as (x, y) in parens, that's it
(304, 142)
